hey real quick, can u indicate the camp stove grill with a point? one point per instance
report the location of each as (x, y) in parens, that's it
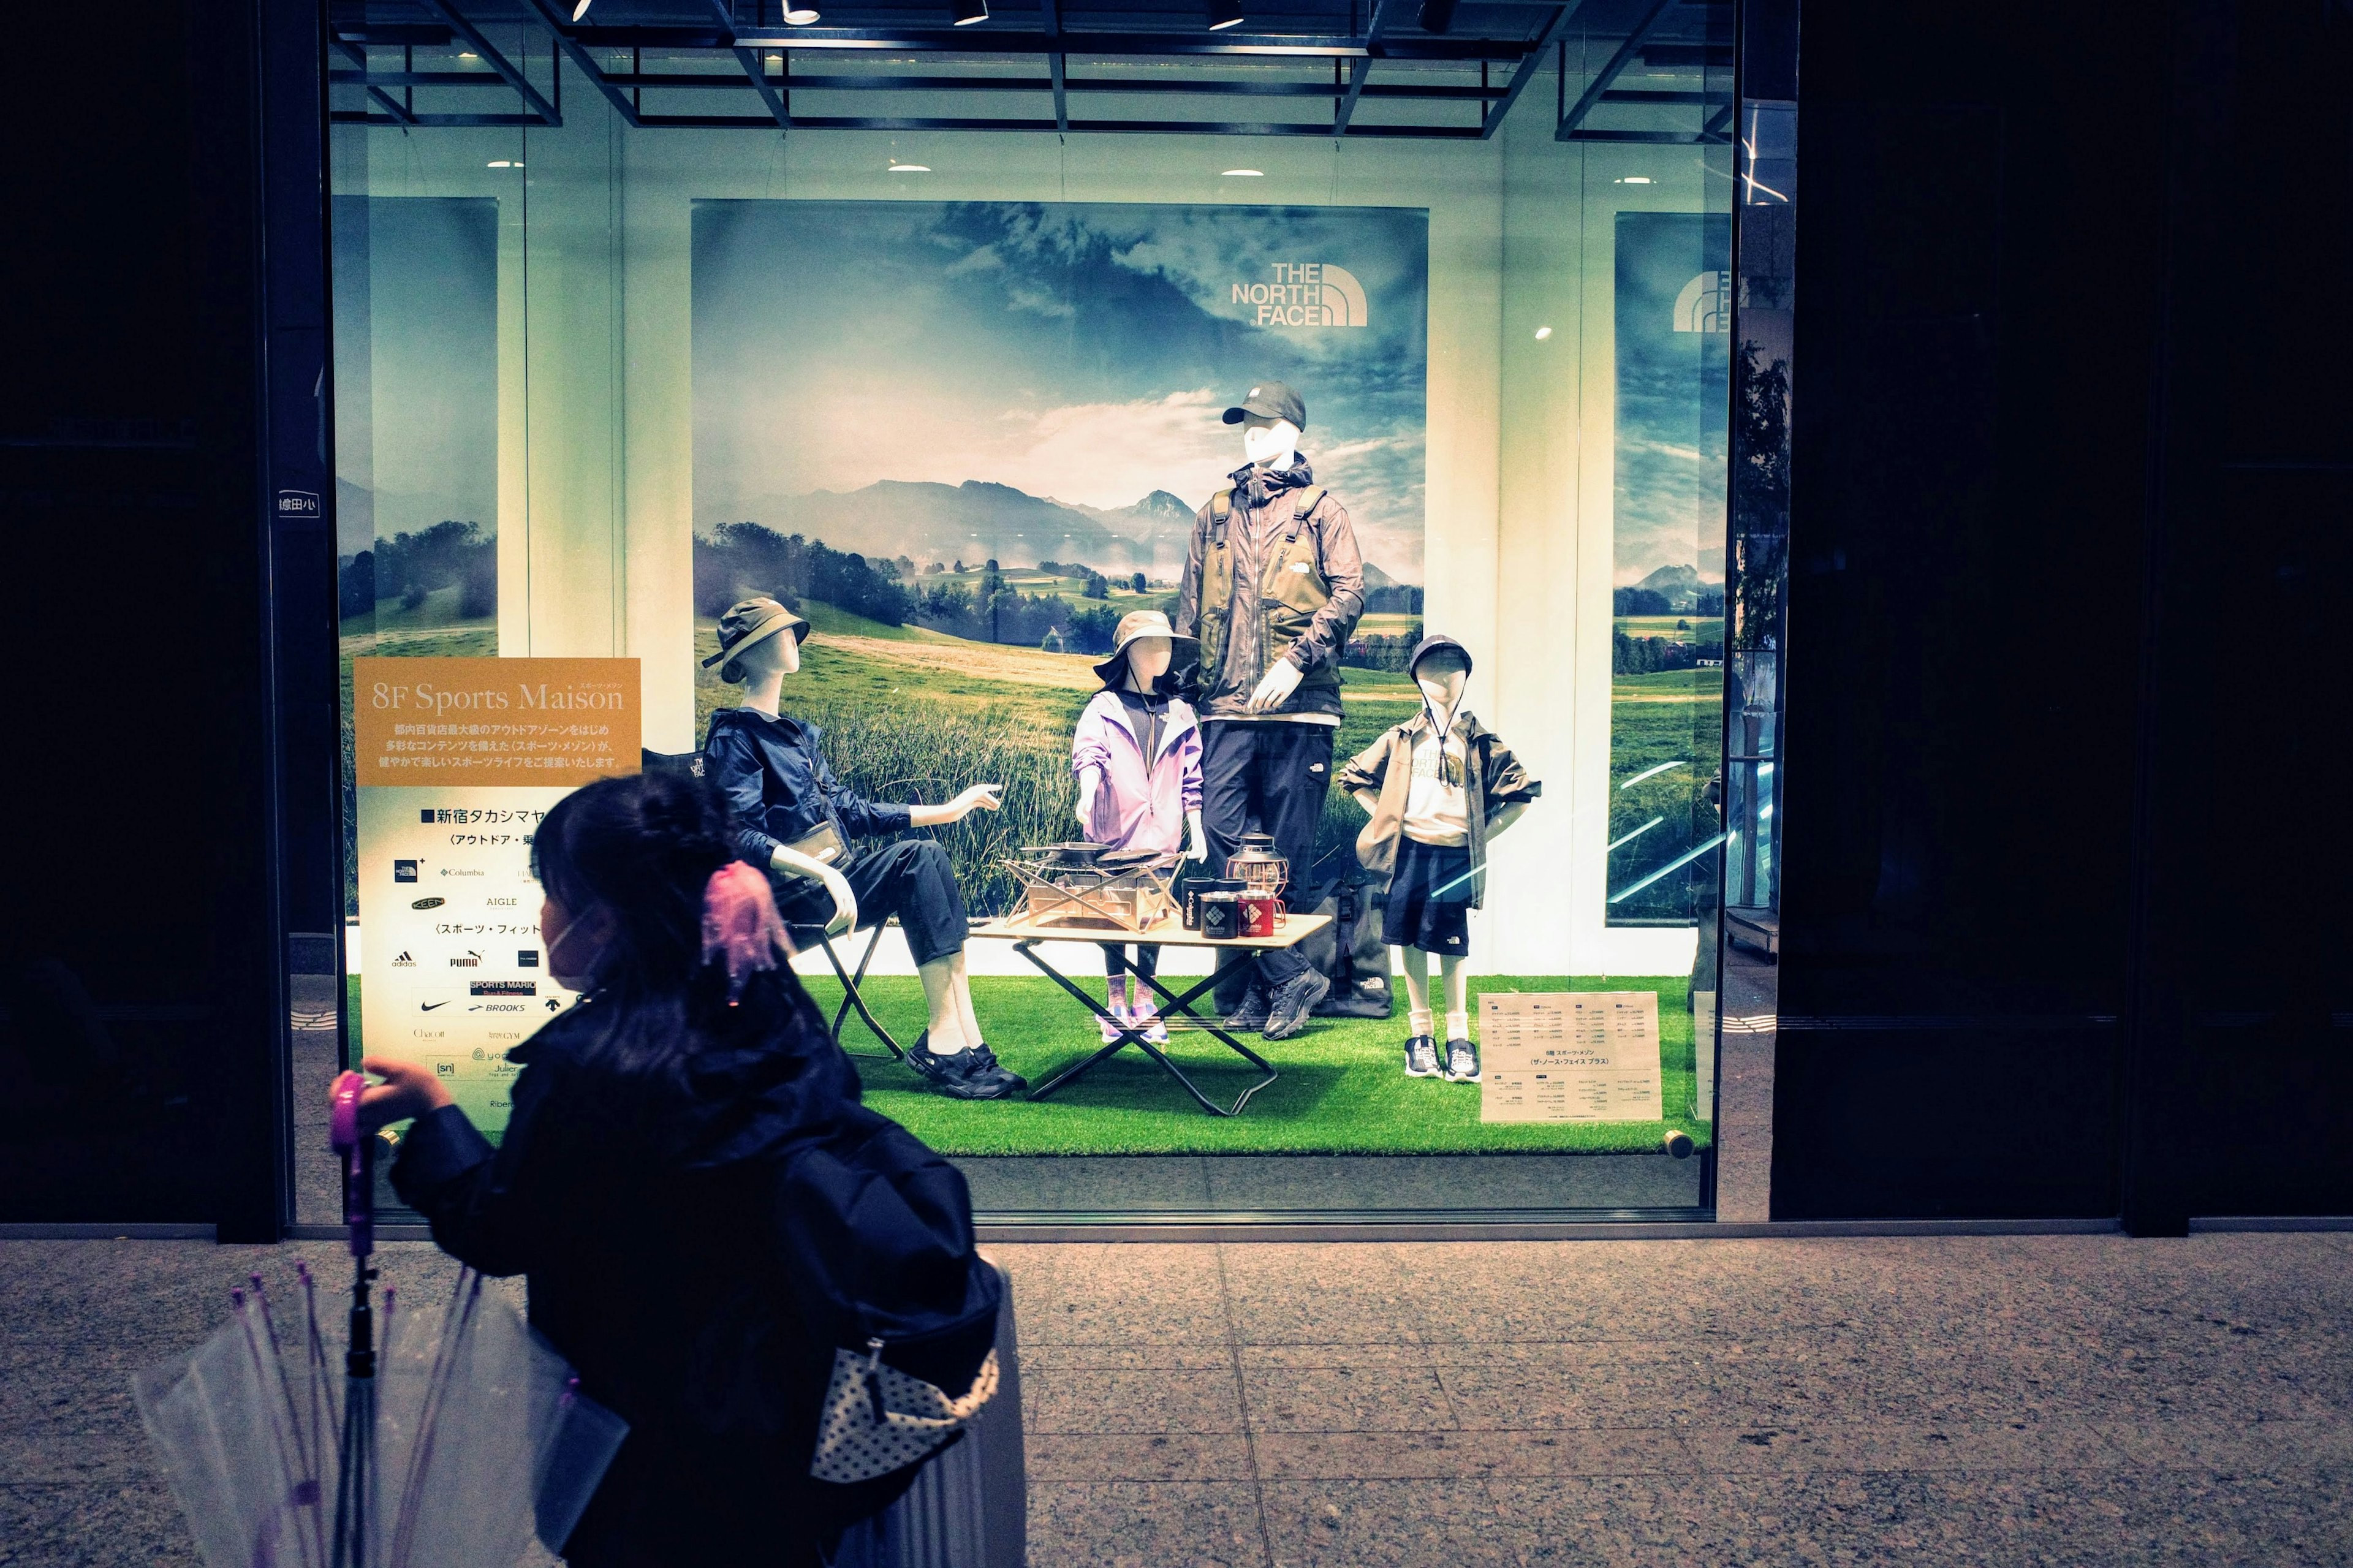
(1087, 887)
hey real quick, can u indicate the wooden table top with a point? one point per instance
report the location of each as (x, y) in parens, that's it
(1171, 932)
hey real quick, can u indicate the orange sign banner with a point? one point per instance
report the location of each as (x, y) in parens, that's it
(496, 721)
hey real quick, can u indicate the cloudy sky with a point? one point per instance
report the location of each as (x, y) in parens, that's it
(1078, 350)
(1672, 400)
(416, 361)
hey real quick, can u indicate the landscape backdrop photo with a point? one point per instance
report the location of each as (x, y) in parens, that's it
(964, 438)
(1673, 321)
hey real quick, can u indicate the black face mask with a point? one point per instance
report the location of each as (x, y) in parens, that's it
(1259, 485)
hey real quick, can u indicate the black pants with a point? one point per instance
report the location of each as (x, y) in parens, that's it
(1265, 777)
(910, 878)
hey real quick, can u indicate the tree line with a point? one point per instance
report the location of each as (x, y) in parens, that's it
(739, 559)
(409, 566)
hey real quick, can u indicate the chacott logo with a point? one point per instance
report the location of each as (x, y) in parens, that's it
(1305, 294)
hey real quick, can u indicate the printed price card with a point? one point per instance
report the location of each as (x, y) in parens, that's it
(1569, 1055)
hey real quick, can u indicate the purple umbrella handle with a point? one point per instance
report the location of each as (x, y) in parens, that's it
(357, 1153)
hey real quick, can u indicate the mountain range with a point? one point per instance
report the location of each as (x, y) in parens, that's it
(1681, 584)
(976, 521)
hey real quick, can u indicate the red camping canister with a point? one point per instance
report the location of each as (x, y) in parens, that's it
(1261, 914)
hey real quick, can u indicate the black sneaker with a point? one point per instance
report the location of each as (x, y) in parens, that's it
(987, 1058)
(1462, 1062)
(1294, 999)
(971, 1074)
(1251, 1016)
(1421, 1056)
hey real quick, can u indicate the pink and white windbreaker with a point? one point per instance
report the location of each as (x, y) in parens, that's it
(1140, 802)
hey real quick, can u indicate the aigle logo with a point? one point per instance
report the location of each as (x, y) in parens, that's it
(1305, 294)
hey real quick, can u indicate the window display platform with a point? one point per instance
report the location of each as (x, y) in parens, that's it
(1333, 1188)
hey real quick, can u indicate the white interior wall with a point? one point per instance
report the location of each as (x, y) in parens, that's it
(596, 415)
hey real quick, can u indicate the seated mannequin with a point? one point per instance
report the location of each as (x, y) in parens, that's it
(801, 824)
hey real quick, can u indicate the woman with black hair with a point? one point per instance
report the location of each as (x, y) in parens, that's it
(632, 1187)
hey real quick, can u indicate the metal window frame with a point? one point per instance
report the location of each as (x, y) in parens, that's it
(762, 61)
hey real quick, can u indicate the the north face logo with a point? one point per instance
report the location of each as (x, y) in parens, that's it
(1305, 294)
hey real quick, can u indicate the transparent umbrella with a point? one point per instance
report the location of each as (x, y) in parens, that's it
(450, 1432)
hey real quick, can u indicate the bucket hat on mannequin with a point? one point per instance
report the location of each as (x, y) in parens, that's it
(1138, 623)
(751, 621)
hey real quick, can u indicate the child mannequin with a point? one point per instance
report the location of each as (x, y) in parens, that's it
(1437, 788)
(1137, 756)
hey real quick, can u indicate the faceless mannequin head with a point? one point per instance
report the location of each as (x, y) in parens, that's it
(1270, 443)
(1442, 674)
(770, 656)
(1148, 661)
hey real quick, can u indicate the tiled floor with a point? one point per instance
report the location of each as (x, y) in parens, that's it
(2080, 1400)
(2003, 1401)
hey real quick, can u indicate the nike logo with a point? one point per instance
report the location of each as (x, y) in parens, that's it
(429, 1006)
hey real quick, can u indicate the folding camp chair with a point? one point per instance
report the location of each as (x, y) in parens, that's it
(806, 936)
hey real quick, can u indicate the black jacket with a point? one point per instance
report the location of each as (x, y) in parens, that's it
(781, 787)
(639, 1209)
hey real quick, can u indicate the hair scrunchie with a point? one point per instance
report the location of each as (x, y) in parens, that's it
(740, 924)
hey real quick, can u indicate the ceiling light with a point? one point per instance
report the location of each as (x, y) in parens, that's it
(967, 12)
(800, 16)
(1634, 180)
(1224, 13)
(913, 169)
(1436, 16)
(1243, 175)
(581, 9)
(504, 163)
(1542, 333)
(468, 54)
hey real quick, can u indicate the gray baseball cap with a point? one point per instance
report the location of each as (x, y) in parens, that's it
(1271, 400)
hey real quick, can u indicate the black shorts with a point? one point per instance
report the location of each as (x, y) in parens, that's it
(1429, 904)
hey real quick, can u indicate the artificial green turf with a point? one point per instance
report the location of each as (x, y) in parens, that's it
(1343, 1089)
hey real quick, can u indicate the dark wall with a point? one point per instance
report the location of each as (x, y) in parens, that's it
(1995, 645)
(2245, 1001)
(141, 1011)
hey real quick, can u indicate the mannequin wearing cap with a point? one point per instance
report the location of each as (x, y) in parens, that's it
(1273, 585)
(1436, 790)
(801, 823)
(1137, 757)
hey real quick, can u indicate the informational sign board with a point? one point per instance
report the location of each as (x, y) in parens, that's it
(1569, 1055)
(458, 761)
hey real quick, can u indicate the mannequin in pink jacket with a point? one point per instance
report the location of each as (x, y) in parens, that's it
(1137, 757)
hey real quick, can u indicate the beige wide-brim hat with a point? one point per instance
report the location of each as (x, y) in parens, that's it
(751, 621)
(1133, 625)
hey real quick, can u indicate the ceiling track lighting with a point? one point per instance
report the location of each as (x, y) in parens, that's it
(967, 12)
(581, 9)
(1436, 16)
(1224, 13)
(800, 16)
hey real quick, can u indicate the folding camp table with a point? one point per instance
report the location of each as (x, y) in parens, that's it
(1025, 938)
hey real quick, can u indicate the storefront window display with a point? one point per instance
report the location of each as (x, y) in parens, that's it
(1028, 528)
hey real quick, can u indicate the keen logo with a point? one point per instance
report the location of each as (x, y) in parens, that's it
(428, 903)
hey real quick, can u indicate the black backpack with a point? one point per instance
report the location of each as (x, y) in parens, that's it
(876, 1234)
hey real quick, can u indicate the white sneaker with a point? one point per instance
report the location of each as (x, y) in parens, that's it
(1113, 1025)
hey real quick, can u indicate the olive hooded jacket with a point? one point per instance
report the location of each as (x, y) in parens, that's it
(1491, 779)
